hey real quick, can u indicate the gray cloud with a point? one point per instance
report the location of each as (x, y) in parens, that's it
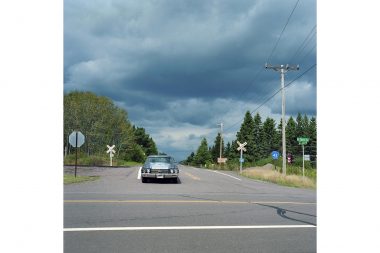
(172, 63)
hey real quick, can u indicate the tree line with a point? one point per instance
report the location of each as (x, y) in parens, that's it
(103, 123)
(262, 138)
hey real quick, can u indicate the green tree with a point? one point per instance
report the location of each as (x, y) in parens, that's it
(99, 120)
(203, 156)
(145, 141)
(257, 131)
(306, 125)
(103, 123)
(245, 135)
(291, 136)
(302, 129)
(300, 132)
(227, 151)
(270, 138)
(215, 150)
(190, 159)
(312, 145)
(136, 153)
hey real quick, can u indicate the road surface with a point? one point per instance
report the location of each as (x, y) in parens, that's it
(207, 211)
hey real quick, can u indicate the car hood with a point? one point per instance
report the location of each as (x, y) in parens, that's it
(159, 165)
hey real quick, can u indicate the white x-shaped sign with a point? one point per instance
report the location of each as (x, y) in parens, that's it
(111, 149)
(241, 146)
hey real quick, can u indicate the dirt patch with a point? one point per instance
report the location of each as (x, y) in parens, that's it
(267, 166)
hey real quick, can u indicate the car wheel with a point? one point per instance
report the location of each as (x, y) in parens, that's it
(143, 179)
(175, 180)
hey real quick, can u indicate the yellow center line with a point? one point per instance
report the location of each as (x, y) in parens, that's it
(192, 176)
(187, 202)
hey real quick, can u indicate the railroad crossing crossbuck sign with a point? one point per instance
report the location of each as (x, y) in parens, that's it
(111, 151)
(241, 148)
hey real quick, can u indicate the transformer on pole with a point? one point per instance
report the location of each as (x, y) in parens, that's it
(283, 69)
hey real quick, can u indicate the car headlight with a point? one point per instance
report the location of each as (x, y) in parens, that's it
(171, 171)
(148, 170)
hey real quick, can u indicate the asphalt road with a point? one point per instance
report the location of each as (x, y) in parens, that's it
(206, 211)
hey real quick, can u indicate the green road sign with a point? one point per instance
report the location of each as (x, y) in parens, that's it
(303, 140)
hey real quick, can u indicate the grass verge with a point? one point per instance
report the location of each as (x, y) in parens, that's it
(277, 178)
(71, 179)
(97, 160)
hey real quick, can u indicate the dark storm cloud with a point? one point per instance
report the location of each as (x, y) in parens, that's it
(172, 62)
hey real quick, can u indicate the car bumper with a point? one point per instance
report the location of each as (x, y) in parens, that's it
(160, 175)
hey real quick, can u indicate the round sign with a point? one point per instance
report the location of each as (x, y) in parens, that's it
(275, 155)
(73, 141)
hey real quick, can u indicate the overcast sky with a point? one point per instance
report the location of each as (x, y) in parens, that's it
(181, 67)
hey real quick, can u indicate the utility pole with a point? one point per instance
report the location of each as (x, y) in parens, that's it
(221, 139)
(283, 69)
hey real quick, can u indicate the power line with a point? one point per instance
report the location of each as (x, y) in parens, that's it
(274, 94)
(270, 55)
(283, 29)
(304, 43)
(273, 50)
(307, 54)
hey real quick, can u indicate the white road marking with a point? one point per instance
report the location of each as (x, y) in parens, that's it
(137, 201)
(139, 174)
(226, 175)
(182, 228)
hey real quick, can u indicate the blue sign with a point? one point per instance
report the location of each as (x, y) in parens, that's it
(241, 160)
(275, 155)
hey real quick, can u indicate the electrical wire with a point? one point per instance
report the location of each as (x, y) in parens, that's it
(274, 94)
(283, 29)
(272, 51)
(304, 43)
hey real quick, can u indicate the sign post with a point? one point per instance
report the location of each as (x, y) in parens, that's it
(275, 155)
(76, 139)
(111, 151)
(241, 148)
(303, 141)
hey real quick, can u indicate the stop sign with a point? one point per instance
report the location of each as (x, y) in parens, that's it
(72, 139)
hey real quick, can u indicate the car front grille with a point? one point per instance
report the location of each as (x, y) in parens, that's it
(160, 171)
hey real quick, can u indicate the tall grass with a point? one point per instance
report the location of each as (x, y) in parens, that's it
(279, 178)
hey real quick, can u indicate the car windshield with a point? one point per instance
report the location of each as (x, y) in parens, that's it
(159, 160)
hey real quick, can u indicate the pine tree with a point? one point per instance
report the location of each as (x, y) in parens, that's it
(300, 132)
(190, 159)
(227, 151)
(203, 155)
(245, 135)
(257, 131)
(215, 150)
(300, 128)
(279, 136)
(291, 136)
(312, 145)
(145, 141)
(269, 136)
